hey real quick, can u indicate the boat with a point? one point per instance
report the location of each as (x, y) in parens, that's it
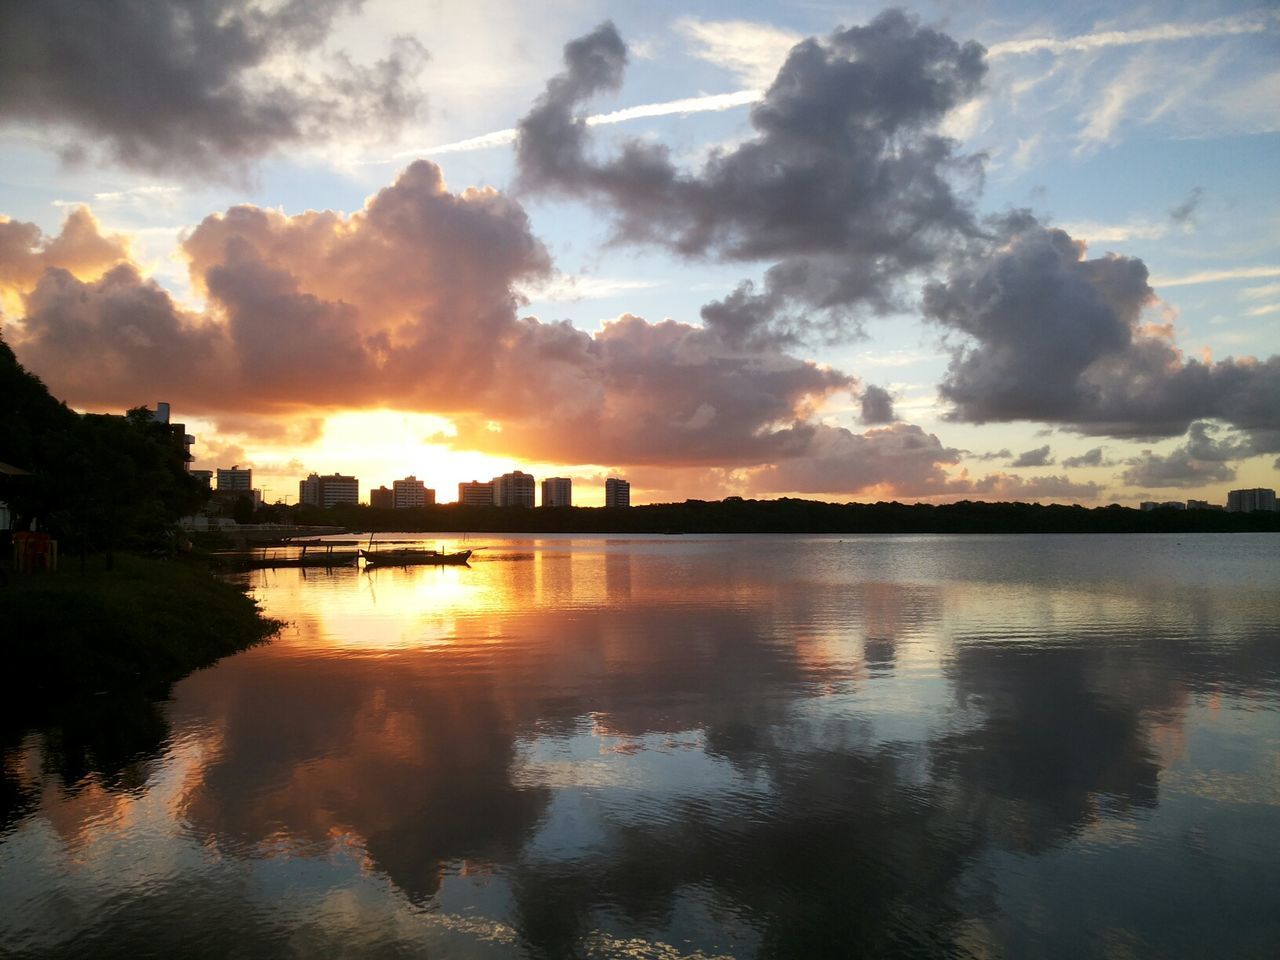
(413, 558)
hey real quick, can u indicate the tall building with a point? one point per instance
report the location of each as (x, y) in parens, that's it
(1247, 501)
(514, 489)
(178, 431)
(336, 488)
(617, 493)
(333, 488)
(412, 492)
(309, 491)
(205, 477)
(475, 494)
(383, 498)
(557, 492)
(235, 480)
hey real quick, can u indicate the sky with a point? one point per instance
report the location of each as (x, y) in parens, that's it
(995, 251)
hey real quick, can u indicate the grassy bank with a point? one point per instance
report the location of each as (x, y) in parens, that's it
(140, 625)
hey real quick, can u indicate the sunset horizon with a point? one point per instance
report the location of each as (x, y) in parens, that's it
(893, 257)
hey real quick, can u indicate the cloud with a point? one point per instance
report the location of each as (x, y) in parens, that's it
(1175, 470)
(1202, 459)
(1184, 213)
(752, 51)
(1003, 453)
(1043, 333)
(1003, 486)
(566, 288)
(1164, 33)
(206, 86)
(402, 300)
(411, 303)
(1039, 457)
(897, 460)
(846, 183)
(877, 405)
(79, 248)
(1264, 292)
(1090, 458)
(1217, 276)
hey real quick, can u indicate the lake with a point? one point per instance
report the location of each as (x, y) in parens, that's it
(689, 746)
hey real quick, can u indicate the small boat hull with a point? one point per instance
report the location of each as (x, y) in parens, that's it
(414, 558)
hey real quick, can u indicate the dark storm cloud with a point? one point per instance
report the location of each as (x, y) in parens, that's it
(1090, 458)
(877, 405)
(846, 184)
(1038, 457)
(179, 86)
(1047, 334)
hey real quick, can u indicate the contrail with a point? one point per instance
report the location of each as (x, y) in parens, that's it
(1226, 27)
(1213, 276)
(498, 138)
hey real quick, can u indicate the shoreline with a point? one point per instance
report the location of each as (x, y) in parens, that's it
(139, 627)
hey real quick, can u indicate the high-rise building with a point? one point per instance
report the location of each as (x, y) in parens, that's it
(412, 492)
(181, 439)
(235, 480)
(617, 492)
(1247, 501)
(309, 491)
(514, 489)
(475, 494)
(383, 498)
(336, 488)
(205, 477)
(333, 488)
(557, 492)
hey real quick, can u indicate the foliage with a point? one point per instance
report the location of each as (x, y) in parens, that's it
(97, 482)
(736, 515)
(142, 623)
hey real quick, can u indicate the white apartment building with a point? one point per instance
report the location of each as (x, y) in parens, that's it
(411, 492)
(318, 491)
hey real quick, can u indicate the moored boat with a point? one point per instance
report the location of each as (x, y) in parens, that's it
(413, 558)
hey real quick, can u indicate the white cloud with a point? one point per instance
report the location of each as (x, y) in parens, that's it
(1215, 276)
(1263, 311)
(1093, 232)
(1264, 292)
(753, 51)
(568, 288)
(1227, 26)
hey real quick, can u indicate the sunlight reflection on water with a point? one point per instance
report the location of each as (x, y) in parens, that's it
(783, 746)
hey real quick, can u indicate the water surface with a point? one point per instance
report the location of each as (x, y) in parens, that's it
(690, 746)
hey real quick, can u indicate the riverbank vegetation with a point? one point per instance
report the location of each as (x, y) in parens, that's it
(736, 515)
(127, 606)
(141, 624)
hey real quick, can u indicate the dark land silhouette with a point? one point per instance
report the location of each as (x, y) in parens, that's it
(787, 516)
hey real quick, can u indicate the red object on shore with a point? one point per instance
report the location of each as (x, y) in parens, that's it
(31, 551)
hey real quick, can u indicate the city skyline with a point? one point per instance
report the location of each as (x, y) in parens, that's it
(775, 250)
